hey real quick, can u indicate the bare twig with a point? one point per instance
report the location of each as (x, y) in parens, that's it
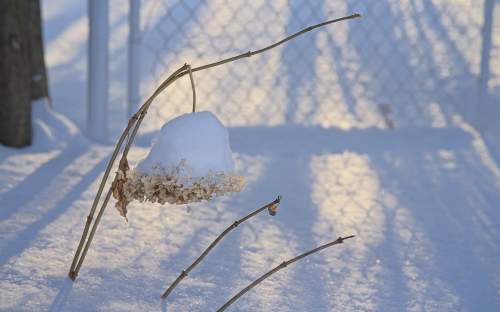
(271, 208)
(135, 122)
(131, 122)
(284, 264)
(274, 45)
(192, 87)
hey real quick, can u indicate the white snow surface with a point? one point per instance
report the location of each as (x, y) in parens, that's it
(423, 202)
(199, 139)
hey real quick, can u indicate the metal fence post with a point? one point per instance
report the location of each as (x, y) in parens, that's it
(484, 75)
(133, 95)
(97, 73)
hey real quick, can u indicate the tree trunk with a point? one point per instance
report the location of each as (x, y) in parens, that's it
(15, 73)
(39, 81)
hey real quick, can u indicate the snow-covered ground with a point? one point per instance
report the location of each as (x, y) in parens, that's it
(423, 201)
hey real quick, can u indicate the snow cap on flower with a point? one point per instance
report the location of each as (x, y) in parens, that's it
(190, 161)
(198, 138)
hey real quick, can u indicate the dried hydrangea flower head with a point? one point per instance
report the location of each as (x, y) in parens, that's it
(190, 161)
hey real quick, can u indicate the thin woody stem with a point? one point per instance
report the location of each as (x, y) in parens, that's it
(271, 207)
(131, 122)
(76, 269)
(274, 45)
(191, 78)
(92, 232)
(136, 121)
(284, 264)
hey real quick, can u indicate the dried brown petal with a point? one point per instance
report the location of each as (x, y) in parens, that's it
(171, 188)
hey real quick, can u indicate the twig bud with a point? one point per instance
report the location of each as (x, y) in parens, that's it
(273, 208)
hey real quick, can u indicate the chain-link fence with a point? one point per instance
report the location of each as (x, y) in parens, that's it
(405, 63)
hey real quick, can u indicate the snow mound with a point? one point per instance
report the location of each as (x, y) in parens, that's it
(199, 139)
(51, 129)
(190, 161)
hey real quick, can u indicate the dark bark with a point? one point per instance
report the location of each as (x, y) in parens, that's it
(15, 74)
(22, 68)
(39, 81)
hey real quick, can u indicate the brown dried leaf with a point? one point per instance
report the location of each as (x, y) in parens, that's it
(118, 188)
(272, 209)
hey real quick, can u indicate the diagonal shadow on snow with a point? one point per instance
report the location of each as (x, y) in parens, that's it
(65, 287)
(26, 190)
(436, 239)
(24, 238)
